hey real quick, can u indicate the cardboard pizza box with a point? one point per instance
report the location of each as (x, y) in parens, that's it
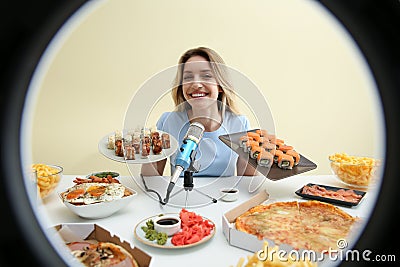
(238, 238)
(87, 231)
(250, 242)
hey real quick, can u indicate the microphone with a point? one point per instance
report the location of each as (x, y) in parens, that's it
(185, 153)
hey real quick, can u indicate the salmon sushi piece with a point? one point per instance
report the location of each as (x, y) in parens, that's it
(285, 148)
(254, 151)
(285, 161)
(243, 139)
(277, 155)
(270, 147)
(265, 159)
(262, 140)
(295, 155)
(271, 138)
(279, 143)
(247, 146)
(253, 135)
(258, 139)
(262, 132)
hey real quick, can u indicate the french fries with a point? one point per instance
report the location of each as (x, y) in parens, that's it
(47, 178)
(354, 170)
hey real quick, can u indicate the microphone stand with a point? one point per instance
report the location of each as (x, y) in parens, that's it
(188, 181)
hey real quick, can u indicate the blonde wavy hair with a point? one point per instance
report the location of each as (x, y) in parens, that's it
(226, 97)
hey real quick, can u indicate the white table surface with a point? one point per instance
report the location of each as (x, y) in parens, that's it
(215, 252)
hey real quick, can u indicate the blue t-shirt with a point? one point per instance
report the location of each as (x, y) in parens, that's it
(215, 158)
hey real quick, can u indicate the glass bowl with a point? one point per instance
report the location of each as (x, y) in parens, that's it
(354, 171)
(48, 177)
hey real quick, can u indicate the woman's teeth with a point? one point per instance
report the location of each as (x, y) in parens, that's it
(198, 95)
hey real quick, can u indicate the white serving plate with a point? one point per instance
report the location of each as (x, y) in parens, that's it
(141, 235)
(110, 153)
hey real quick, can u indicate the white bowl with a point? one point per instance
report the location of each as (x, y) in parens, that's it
(229, 194)
(169, 224)
(101, 209)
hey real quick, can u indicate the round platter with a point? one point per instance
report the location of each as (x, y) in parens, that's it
(140, 235)
(110, 153)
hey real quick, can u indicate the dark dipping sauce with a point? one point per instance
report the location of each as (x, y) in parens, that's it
(167, 221)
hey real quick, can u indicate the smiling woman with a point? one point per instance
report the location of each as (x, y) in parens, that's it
(100, 55)
(203, 94)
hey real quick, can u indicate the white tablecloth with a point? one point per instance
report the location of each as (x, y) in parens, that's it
(215, 252)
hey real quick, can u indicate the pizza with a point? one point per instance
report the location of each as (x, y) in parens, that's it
(311, 225)
(101, 254)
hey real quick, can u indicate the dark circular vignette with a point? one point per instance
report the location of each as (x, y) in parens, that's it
(26, 30)
(375, 25)
(28, 27)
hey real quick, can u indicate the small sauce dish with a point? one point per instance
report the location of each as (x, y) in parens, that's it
(169, 224)
(229, 194)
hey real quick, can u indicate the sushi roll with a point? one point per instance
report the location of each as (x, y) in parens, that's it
(285, 161)
(265, 159)
(255, 150)
(253, 135)
(295, 155)
(279, 143)
(262, 140)
(262, 132)
(271, 138)
(285, 148)
(277, 155)
(257, 138)
(270, 147)
(247, 146)
(243, 139)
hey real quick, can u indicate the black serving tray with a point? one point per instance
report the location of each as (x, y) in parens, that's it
(273, 172)
(331, 200)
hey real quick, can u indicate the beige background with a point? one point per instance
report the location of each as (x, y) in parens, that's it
(317, 84)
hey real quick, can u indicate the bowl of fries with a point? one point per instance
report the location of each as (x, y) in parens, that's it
(354, 171)
(47, 177)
